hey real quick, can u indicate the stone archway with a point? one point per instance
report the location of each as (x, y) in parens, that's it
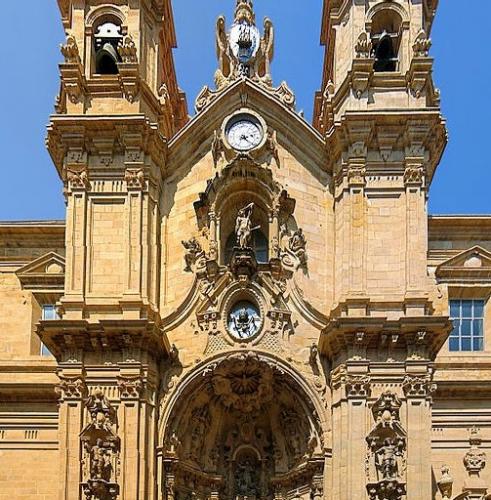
(243, 428)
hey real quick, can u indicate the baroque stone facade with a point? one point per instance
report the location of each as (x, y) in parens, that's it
(241, 305)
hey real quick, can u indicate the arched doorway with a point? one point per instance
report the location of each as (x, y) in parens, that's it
(242, 427)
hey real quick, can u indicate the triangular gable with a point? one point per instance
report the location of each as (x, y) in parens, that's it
(195, 139)
(47, 271)
(472, 264)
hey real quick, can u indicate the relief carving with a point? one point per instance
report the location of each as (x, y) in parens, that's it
(71, 388)
(135, 178)
(78, 178)
(357, 386)
(363, 46)
(294, 253)
(243, 53)
(247, 435)
(414, 386)
(414, 175)
(475, 458)
(130, 387)
(243, 383)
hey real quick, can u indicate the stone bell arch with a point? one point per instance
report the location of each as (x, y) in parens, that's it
(244, 424)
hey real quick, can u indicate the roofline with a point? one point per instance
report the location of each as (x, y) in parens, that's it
(460, 216)
(31, 223)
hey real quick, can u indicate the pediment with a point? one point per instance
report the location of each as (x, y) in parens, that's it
(293, 132)
(47, 271)
(474, 263)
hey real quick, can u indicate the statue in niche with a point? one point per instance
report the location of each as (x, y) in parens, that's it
(101, 467)
(199, 424)
(247, 480)
(388, 458)
(243, 226)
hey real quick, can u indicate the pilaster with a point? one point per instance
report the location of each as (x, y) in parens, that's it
(72, 392)
(351, 389)
(138, 426)
(418, 388)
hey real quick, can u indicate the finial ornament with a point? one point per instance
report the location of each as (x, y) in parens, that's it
(244, 12)
(243, 53)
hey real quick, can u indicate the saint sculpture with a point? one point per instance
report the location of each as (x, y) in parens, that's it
(243, 226)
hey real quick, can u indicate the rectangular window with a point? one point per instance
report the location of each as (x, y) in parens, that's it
(49, 314)
(468, 325)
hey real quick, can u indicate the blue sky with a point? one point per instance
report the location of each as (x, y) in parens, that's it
(30, 54)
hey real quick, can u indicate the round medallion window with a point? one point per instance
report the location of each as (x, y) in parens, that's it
(244, 320)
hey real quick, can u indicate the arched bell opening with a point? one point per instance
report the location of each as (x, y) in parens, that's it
(386, 40)
(243, 427)
(107, 37)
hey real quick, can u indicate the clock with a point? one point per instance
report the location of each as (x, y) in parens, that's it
(244, 132)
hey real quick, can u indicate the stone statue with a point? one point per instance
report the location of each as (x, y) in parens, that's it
(388, 456)
(246, 480)
(100, 466)
(298, 242)
(243, 226)
(193, 252)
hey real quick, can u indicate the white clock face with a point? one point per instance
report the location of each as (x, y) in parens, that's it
(244, 133)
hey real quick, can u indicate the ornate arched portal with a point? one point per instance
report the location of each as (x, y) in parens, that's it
(243, 426)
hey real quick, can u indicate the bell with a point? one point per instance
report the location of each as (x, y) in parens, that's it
(107, 60)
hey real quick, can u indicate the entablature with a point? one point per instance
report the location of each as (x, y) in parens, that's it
(87, 148)
(407, 338)
(65, 336)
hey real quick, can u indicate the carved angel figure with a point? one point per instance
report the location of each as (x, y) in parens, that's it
(223, 54)
(217, 148)
(70, 51)
(243, 226)
(193, 252)
(266, 54)
(127, 50)
(297, 245)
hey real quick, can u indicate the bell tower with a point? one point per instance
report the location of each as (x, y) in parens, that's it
(118, 106)
(379, 112)
(118, 60)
